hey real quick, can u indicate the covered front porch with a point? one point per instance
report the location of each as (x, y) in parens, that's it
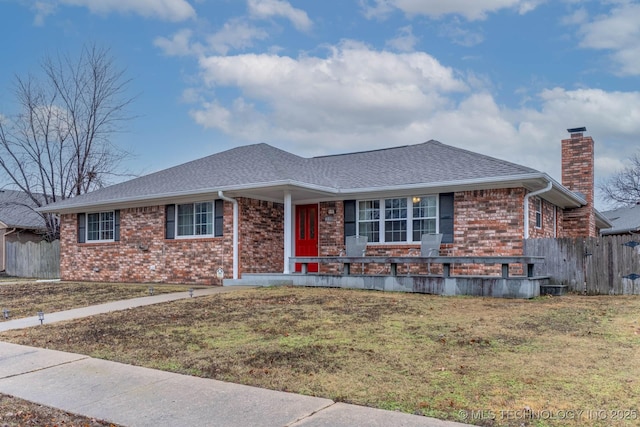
(502, 286)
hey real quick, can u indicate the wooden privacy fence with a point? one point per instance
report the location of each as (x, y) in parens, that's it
(605, 265)
(40, 260)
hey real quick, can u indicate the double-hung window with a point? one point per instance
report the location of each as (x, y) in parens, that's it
(398, 220)
(425, 214)
(195, 219)
(395, 220)
(100, 226)
(369, 219)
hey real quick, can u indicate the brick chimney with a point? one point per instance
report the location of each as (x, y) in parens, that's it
(578, 176)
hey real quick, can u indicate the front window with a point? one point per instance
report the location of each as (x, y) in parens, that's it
(425, 211)
(395, 220)
(402, 219)
(195, 219)
(100, 226)
(369, 220)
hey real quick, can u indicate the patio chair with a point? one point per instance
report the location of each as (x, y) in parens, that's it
(356, 245)
(430, 246)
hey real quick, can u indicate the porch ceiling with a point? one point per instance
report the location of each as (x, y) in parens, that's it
(276, 194)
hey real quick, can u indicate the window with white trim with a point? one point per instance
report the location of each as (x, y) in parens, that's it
(369, 219)
(538, 207)
(194, 219)
(425, 216)
(100, 226)
(397, 220)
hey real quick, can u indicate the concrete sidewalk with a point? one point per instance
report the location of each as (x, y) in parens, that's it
(134, 396)
(77, 313)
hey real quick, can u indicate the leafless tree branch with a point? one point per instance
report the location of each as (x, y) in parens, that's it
(623, 188)
(59, 144)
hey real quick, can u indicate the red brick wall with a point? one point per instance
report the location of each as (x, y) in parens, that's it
(261, 245)
(578, 176)
(550, 220)
(330, 233)
(489, 222)
(143, 254)
(486, 223)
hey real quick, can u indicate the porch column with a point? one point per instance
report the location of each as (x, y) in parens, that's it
(288, 228)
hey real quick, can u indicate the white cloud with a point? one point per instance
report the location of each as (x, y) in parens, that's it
(471, 9)
(269, 8)
(351, 92)
(619, 32)
(359, 98)
(405, 41)
(167, 10)
(42, 9)
(615, 114)
(235, 34)
(378, 9)
(577, 17)
(464, 37)
(179, 44)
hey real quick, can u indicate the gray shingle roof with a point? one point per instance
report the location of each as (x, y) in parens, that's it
(15, 214)
(429, 162)
(624, 220)
(262, 165)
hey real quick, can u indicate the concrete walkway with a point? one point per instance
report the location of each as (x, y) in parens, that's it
(78, 313)
(134, 396)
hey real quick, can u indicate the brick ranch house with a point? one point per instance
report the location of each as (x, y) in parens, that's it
(248, 209)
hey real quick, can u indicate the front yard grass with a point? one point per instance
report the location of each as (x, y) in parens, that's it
(25, 298)
(551, 361)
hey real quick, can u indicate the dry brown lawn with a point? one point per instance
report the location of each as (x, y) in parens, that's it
(551, 361)
(25, 298)
(19, 413)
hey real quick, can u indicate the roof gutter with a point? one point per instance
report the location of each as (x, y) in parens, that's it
(526, 206)
(235, 231)
(610, 231)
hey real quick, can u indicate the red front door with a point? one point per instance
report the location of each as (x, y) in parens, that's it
(307, 233)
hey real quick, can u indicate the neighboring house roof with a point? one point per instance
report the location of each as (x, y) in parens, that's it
(625, 220)
(16, 211)
(263, 171)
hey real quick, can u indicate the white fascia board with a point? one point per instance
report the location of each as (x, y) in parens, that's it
(607, 222)
(536, 181)
(178, 196)
(532, 181)
(459, 185)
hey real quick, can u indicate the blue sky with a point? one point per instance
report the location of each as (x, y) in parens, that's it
(505, 78)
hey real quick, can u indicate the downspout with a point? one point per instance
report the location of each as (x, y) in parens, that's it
(526, 206)
(235, 231)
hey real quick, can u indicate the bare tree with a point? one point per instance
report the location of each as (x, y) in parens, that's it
(58, 145)
(623, 188)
